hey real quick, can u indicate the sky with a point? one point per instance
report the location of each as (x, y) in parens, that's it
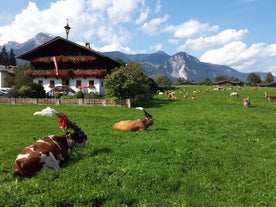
(237, 33)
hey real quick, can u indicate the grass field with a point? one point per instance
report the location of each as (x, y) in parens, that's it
(210, 152)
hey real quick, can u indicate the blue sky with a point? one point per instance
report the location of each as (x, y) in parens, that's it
(237, 33)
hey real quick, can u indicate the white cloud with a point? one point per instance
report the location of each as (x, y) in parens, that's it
(154, 26)
(224, 37)
(157, 47)
(121, 10)
(173, 41)
(158, 6)
(143, 16)
(32, 21)
(99, 21)
(191, 29)
(226, 55)
(11, 32)
(271, 49)
(114, 47)
(239, 56)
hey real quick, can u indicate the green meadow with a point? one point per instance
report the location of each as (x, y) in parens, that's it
(208, 152)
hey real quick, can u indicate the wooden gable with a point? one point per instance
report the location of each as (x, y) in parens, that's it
(62, 47)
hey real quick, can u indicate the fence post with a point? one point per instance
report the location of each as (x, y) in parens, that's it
(13, 100)
(128, 103)
(57, 102)
(80, 101)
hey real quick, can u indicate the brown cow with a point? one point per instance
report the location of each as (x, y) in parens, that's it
(47, 152)
(135, 125)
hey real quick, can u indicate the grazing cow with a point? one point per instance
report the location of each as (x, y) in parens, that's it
(48, 152)
(234, 94)
(246, 102)
(171, 94)
(135, 125)
(270, 97)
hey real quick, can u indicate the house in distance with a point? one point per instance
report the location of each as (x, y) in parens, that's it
(61, 62)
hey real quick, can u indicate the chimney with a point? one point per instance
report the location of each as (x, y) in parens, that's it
(87, 45)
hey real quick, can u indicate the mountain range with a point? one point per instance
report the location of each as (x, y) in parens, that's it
(180, 65)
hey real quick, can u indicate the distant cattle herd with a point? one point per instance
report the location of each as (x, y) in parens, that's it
(234, 92)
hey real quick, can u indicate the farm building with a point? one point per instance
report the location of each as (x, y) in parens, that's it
(266, 84)
(227, 82)
(4, 72)
(63, 63)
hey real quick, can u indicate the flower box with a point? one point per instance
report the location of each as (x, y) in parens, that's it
(64, 59)
(62, 73)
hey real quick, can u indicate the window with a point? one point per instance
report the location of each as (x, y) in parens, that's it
(52, 84)
(78, 83)
(91, 84)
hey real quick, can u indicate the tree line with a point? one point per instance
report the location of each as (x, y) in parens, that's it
(7, 57)
(252, 79)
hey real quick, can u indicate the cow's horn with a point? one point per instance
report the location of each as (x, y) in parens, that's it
(147, 114)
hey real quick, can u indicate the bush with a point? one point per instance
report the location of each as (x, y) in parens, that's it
(13, 93)
(79, 94)
(93, 95)
(58, 95)
(32, 90)
(25, 91)
(127, 82)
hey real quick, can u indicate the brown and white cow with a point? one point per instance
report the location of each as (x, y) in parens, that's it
(48, 152)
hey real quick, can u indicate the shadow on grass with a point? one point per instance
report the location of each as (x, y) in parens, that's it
(78, 155)
(104, 150)
(160, 129)
(155, 102)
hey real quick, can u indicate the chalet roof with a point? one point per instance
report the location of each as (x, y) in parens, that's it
(59, 46)
(273, 84)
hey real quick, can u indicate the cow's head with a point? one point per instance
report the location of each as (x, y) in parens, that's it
(78, 139)
(149, 121)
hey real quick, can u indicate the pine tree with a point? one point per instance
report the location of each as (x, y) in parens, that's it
(12, 59)
(7, 58)
(4, 57)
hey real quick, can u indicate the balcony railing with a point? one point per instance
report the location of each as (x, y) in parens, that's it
(64, 73)
(64, 59)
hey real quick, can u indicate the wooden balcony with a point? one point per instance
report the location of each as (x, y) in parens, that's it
(64, 73)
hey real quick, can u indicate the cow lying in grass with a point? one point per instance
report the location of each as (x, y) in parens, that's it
(47, 152)
(50, 151)
(135, 125)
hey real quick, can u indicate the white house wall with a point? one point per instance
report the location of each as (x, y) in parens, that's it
(3, 74)
(98, 83)
(1, 79)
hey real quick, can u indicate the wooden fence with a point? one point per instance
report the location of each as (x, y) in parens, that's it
(53, 101)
